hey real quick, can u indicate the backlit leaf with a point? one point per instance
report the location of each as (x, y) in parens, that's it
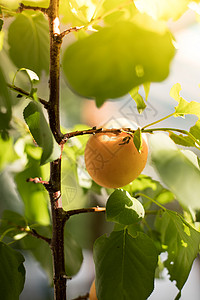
(178, 170)
(77, 12)
(124, 209)
(146, 86)
(137, 139)
(113, 11)
(41, 132)
(138, 99)
(120, 66)
(28, 37)
(33, 195)
(182, 244)
(7, 152)
(163, 9)
(184, 107)
(183, 140)
(125, 266)
(175, 91)
(12, 273)
(11, 222)
(14, 4)
(141, 183)
(40, 3)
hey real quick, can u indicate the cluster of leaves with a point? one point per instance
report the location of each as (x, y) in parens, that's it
(100, 65)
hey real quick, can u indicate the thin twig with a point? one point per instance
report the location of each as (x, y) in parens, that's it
(38, 180)
(73, 212)
(151, 199)
(34, 233)
(69, 30)
(26, 94)
(158, 121)
(30, 7)
(45, 183)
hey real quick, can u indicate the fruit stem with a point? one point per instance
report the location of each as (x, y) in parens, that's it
(151, 199)
(158, 121)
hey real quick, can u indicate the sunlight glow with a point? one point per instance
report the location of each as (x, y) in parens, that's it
(195, 7)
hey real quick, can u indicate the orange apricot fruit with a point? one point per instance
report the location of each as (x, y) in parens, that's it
(112, 160)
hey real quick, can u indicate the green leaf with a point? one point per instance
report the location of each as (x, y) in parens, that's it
(195, 130)
(12, 273)
(178, 170)
(42, 253)
(151, 188)
(184, 107)
(137, 139)
(120, 66)
(123, 209)
(32, 76)
(125, 266)
(40, 3)
(165, 196)
(182, 244)
(138, 99)
(40, 249)
(175, 92)
(113, 11)
(11, 222)
(41, 132)
(34, 196)
(141, 183)
(73, 254)
(146, 86)
(28, 37)
(183, 140)
(77, 12)
(5, 104)
(7, 152)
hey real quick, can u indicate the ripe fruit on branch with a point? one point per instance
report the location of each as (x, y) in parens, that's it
(93, 295)
(112, 160)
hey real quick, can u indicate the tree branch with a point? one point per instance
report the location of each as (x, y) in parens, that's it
(58, 220)
(54, 70)
(30, 7)
(26, 94)
(73, 212)
(69, 30)
(95, 130)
